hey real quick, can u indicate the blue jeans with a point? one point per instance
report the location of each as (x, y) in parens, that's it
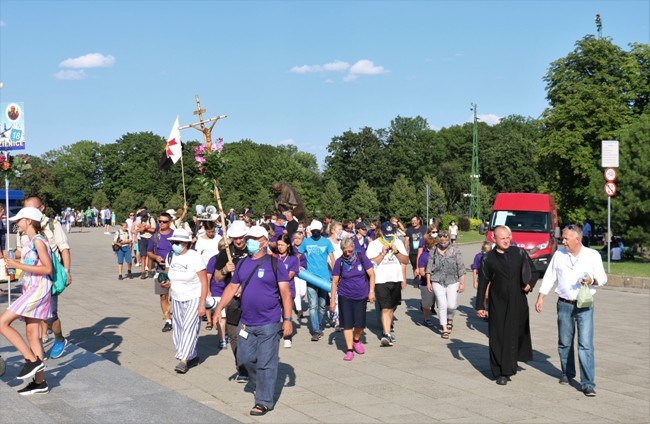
(568, 318)
(259, 353)
(317, 304)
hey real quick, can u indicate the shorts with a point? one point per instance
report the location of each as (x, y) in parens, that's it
(107, 221)
(388, 294)
(143, 245)
(414, 260)
(352, 313)
(124, 255)
(157, 288)
(54, 308)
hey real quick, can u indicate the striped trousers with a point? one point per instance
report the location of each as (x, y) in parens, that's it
(185, 328)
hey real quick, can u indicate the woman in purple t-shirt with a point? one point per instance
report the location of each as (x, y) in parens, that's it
(427, 297)
(290, 261)
(353, 279)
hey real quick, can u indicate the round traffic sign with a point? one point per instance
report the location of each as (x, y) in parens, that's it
(610, 188)
(610, 174)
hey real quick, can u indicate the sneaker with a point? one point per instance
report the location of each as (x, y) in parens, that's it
(30, 368)
(57, 348)
(128, 274)
(386, 340)
(143, 275)
(167, 327)
(392, 338)
(223, 345)
(227, 338)
(358, 347)
(33, 388)
(241, 378)
(349, 355)
(564, 380)
(287, 343)
(589, 392)
(193, 362)
(316, 337)
(428, 323)
(182, 367)
(119, 277)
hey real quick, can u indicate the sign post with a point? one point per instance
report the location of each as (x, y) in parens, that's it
(609, 160)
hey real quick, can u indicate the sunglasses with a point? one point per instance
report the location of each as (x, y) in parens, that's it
(177, 243)
(163, 222)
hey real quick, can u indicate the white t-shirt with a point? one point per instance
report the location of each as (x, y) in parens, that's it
(390, 268)
(185, 283)
(207, 248)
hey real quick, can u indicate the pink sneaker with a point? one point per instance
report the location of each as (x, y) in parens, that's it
(358, 347)
(349, 355)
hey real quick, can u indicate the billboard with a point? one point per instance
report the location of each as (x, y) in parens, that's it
(12, 126)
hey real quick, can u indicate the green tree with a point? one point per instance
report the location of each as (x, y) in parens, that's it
(403, 202)
(125, 202)
(437, 197)
(631, 205)
(153, 205)
(364, 202)
(331, 202)
(592, 96)
(100, 200)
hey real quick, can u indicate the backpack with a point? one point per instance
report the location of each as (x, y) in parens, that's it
(59, 274)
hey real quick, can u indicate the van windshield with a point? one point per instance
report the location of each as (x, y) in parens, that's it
(522, 221)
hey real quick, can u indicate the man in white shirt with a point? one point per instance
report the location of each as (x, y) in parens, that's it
(388, 254)
(571, 267)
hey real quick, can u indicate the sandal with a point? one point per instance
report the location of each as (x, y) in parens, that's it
(450, 325)
(208, 327)
(259, 410)
(445, 334)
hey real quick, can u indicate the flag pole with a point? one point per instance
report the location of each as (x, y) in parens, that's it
(183, 178)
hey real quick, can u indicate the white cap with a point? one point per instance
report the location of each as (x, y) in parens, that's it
(180, 235)
(28, 212)
(238, 228)
(172, 212)
(257, 231)
(316, 225)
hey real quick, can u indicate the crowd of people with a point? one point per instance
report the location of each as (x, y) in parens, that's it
(248, 278)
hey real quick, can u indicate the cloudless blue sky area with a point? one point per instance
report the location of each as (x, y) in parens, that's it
(298, 72)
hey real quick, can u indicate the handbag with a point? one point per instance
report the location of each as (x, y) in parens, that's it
(233, 309)
(585, 298)
(59, 276)
(115, 245)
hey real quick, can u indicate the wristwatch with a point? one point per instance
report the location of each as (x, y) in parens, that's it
(286, 319)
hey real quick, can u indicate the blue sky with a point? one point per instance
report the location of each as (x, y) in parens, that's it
(298, 72)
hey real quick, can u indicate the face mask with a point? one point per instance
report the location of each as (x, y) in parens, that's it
(177, 248)
(315, 234)
(339, 236)
(443, 246)
(434, 234)
(253, 246)
(389, 239)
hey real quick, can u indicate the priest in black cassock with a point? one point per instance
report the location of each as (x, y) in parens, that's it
(506, 276)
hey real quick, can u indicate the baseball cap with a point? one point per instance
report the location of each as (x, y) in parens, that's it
(387, 228)
(28, 212)
(237, 229)
(316, 225)
(256, 231)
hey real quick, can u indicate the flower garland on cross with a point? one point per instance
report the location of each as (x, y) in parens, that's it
(13, 166)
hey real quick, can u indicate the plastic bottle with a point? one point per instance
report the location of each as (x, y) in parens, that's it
(11, 272)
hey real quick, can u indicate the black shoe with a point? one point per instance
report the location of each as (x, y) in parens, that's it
(241, 378)
(34, 388)
(182, 367)
(31, 368)
(589, 392)
(143, 275)
(129, 275)
(119, 277)
(502, 380)
(167, 327)
(564, 380)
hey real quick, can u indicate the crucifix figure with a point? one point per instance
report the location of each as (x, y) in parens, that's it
(206, 130)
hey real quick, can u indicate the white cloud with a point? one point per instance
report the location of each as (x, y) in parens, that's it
(288, 141)
(67, 74)
(336, 66)
(91, 60)
(306, 69)
(366, 67)
(329, 81)
(490, 118)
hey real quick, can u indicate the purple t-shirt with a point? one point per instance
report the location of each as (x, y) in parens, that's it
(360, 245)
(163, 247)
(261, 304)
(216, 287)
(291, 264)
(477, 260)
(353, 283)
(422, 263)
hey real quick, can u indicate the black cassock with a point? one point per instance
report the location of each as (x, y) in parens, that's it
(507, 274)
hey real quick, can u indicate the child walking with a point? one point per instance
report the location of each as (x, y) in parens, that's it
(33, 306)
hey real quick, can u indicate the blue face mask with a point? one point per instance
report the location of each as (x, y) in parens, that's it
(177, 248)
(253, 246)
(389, 239)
